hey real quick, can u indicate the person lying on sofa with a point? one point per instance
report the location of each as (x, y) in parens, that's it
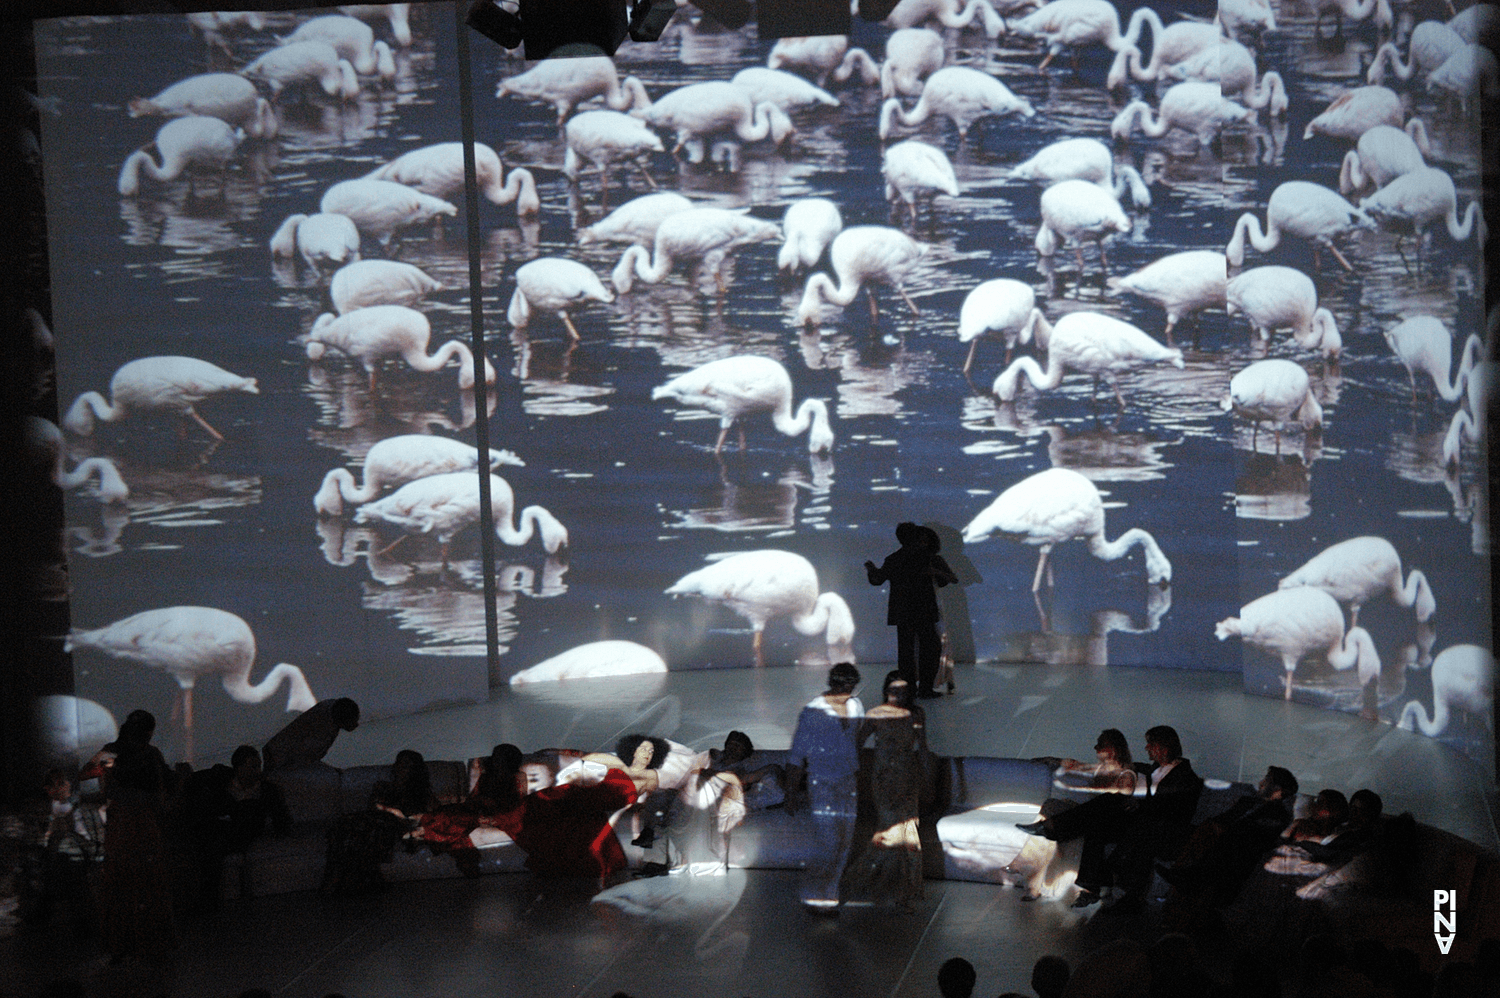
(1325, 815)
(1223, 851)
(496, 792)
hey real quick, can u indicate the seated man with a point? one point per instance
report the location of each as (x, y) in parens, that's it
(227, 808)
(760, 785)
(1224, 850)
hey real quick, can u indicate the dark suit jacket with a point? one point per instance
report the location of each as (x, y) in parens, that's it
(1175, 799)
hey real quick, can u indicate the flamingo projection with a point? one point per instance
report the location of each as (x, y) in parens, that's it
(606, 137)
(324, 239)
(1064, 24)
(189, 643)
(1463, 678)
(787, 91)
(352, 39)
(1100, 346)
(306, 64)
(397, 15)
(1359, 569)
(825, 56)
(395, 461)
(1199, 108)
(553, 284)
(913, 169)
(46, 441)
(1281, 298)
(635, 221)
(762, 586)
(1430, 45)
(1001, 307)
(379, 282)
(381, 208)
(1174, 44)
(1355, 112)
(1275, 392)
(567, 83)
(444, 505)
(1293, 623)
(594, 660)
(1382, 154)
(1416, 200)
(1422, 342)
(737, 387)
(862, 256)
(710, 235)
(1076, 211)
(1354, 10)
(1181, 283)
(807, 228)
(948, 13)
(911, 55)
(1233, 67)
(1471, 72)
(438, 170)
(958, 92)
(189, 146)
(370, 335)
(176, 384)
(1471, 426)
(699, 110)
(226, 96)
(1084, 159)
(1056, 506)
(1246, 18)
(1299, 208)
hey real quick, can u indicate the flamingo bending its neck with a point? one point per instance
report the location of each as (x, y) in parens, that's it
(787, 91)
(1199, 108)
(825, 56)
(304, 63)
(397, 15)
(1431, 43)
(1181, 283)
(635, 221)
(444, 505)
(737, 387)
(378, 282)
(395, 461)
(189, 145)
(1463, 678)
(1174, 44)
(911, 55)
(1299, 208)
(1290, 623)
(1355, 112)
(1074, 211)
(46, 441)
(957, 92)
(1273, 391)
(369, 335)
(808, 227)
(948, 13)
(226, 96)
(1084, 159)
(912, 169)
(566, 83)
(324, 238)
(173, 383)
(353, 39)
(1056, 506)
(605, 137)
(1070, 23)
(1383, 154)
(1423, 342)
(703, 109)
(1359, 569)
(380, 208)
(707, 234)
(1419, 198)
(1000, 307)
(1100, 346)
(1280, 298)
(438, 170)
(862, 255)
(553, 284)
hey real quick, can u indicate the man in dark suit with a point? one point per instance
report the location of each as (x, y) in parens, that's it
(913, 571)
(1140, 828)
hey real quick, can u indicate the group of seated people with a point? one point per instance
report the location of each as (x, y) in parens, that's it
(1145, 811)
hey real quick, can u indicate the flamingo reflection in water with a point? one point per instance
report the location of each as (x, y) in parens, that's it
(189, 643)
(1066, 648)
(49, 452)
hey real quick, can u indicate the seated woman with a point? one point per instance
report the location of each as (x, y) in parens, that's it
(491, 801)
(565, 828)
(359, 843)
(1050, 868)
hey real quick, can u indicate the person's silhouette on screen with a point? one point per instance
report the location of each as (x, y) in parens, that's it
(912, 571)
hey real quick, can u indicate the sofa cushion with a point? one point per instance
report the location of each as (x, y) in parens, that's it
(313, 793)
(979, 844)
(968, 782)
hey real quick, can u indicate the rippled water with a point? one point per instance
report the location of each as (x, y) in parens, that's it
(180, 270)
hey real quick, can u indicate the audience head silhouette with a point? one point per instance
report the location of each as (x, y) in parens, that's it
(843, 678)
(956, 978)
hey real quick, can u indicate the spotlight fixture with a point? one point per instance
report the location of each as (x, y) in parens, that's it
(795, 18)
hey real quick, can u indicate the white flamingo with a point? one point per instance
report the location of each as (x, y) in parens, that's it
(306, 63)
(1420, 198)
(380, 208)
(911, 55)
(1284, 298)
(957, 92)
(352, 39)
(1463, 678)
(786, 90)
(567, 83)
(46, 441)
(1181, 283)
(912, 169)
(1469, 73)
(1001, 307)
(1432, 42)
(948, 13)
(398, 15)
(1383, 154)
(1246, 18)
(370, 335)
(1422, 342)
(1233, 67)
(1071, 23)
(1100, 346)
(635, 221)
(324, 238)
(1199, 108)
(698, 110)
(1355, 112)
(1471, 426)
(553, 284)
(379, 282)
(1173, 44)
(762, 586)
(1291, 623)
(1478, 24)
(736, 387)
(707, 234)
(1074, 211)
(438, 170)
(1056, 506)
(445, 505)
(395, 461)
(176, 384)
(1084, 159)
(1356, 11)
(824, 56)
(594, 660)
(605, 137)
(807, 228)
(189, 643)
(191, 145)
(1299, 208)
(226, 96)
(862, 256)
(1359, 569)
(1275, 392)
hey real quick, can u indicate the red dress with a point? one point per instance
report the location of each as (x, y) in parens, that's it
(565, 830)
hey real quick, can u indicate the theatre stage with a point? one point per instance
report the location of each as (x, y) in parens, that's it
(745, 934)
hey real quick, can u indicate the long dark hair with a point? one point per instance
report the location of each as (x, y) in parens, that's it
(411, 784)
(497, 784)
(1114, 738)
(885, 690)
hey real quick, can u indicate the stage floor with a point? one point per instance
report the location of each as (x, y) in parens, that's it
(745, 934)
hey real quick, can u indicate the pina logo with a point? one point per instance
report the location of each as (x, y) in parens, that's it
(1442, 922)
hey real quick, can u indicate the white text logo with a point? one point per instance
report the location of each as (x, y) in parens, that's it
(1442, 922)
